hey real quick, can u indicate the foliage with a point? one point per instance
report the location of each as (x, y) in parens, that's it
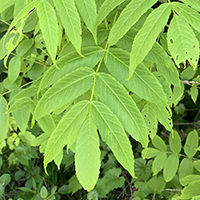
(90, 82)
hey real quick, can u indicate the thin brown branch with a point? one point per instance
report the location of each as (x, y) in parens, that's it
(190, 82)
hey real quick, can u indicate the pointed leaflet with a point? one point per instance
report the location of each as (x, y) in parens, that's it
(188, 14)
(106, 8)
(64, 91)
(4, 119)
(182, 42)
(49, 27)
(66, 131)
(114, 95)
(143, 82)
(147, 35)
(128, 17)
(88, 12)
(71, 21)
(164, 64)
(193, 3)
(70, 62)
(113, 134)
(87, 156)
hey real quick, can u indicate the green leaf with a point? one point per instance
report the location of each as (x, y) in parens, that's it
(114, 95)
(64, 91)
(4, 119)
(177, 94)
(197, 165)
(106, 7)
(113, 135)
(142, 80)
(128, 17)
(58, 159)
(191, 190)
(194, 93)
(185, 168)
(159, 143)
(189, 179)
(49, 27)
(88, 12)
(110, 181)
(188, 73)
(74, 185)
(14, 69)
(69, 62)
(146, 37)
(87, 156)
(188, 14)
(159, 162)
(5, 179)
(193, 3)
(66, 131)
(71, 21)
(21, 117)
(170, 167)
(175, 142)
(182, 42)
(43, 192)
(24, 47)
(156, 184)
(191, 144)
(149, 153)
(47, 124)
(5, 4)
(164, 64)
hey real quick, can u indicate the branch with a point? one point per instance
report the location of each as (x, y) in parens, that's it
(190, 82)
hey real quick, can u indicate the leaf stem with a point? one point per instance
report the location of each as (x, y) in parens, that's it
(98, 67)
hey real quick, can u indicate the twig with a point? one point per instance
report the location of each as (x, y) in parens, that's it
(173, 190)
(187, 123)
(190, 82)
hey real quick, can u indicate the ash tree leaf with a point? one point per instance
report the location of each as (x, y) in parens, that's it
(49, 27)
(150, 119)
(71, 21)
(182, 42)
(146, 37)
(164, 64)
(113, 134)
(188, 14)
(158, 143)
(170, 168)
(128, 17)
(193, 3)
(87, 156)
(69, 63)
(175, 142)
(114, 95)
(66, 132)
(4, 119)
(88, 11)
(64, 91)
(143, 82)
(106, 7)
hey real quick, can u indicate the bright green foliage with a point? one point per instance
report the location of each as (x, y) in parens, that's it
(91, 82)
